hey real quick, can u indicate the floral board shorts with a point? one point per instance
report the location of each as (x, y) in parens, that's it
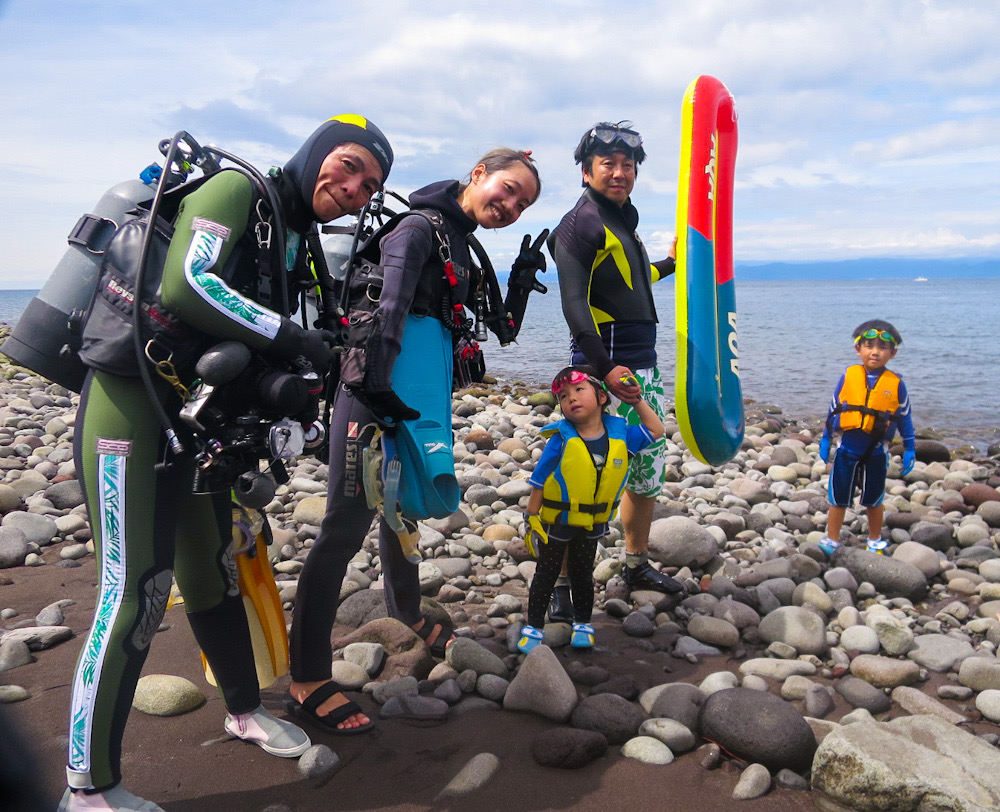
(647, 471)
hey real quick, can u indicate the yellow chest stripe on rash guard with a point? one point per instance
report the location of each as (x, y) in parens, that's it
(614, 248)
(600, 316)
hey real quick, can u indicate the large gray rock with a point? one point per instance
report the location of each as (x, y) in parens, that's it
(915, 702)
(934, 535)
(776, 669)
(736, 612)
(65, 495)
(980, 673)
(417, 708)
(680, 701)
(38, 638)
(678, 541)
(894, 634)
(362, 607)
(465, 654)
(713, 631)
(754, 782)
(318, 761)
(888, 575)
(672, 733)
(884, 672)
(800, 628)
(13, 547)
(921, 556)
(758, 727)
(37, 529)
(541, 686)
(861, 694)
(939, 652)
(912, 763)
(647, 750)
(166, 695)
(615, 718)
(750, 490)
(14, 654)
(568, 748)
(477, 771)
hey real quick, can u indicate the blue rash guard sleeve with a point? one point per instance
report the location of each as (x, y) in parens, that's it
(638, 438)
(548, 462)
(903, 419)
(832, 417)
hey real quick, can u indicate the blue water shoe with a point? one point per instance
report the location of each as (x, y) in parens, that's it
(583, 636)
(530, 637)
(877, 546)
(829, 546)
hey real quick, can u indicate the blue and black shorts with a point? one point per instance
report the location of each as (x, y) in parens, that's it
(850, 470)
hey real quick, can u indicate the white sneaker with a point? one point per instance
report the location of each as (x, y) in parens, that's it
(877, 546)
(272, 735)
(116, 799)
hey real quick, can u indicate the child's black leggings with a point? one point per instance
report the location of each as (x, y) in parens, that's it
(581, 576)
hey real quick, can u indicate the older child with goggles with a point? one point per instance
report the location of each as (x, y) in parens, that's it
(869, 403)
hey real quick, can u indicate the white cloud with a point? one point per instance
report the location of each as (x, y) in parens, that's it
(867, 125)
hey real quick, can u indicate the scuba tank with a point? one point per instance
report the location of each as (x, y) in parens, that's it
(47, 337)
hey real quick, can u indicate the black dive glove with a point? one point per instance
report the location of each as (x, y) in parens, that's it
(301, 347)
(387, 409)
(531, 258)
(522, 277)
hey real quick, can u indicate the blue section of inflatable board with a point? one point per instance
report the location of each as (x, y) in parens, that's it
(421, 377)
(715, 399)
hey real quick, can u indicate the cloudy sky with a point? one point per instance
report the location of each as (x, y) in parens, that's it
(867, 127)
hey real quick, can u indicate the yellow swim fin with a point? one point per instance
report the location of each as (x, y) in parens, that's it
(265, 616)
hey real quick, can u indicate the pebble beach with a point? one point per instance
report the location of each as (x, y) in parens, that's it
(781, 679)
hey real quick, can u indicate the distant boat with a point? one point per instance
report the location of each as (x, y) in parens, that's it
(920, 279)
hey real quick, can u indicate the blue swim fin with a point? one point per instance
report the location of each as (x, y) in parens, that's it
(422, 378)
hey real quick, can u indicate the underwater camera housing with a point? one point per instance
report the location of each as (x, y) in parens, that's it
(244, 410)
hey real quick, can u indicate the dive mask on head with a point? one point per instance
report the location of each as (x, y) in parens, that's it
(608, 134)
(885, 335)
(573, 377)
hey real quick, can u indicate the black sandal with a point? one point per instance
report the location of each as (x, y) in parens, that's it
(308, 711)
(445, 636)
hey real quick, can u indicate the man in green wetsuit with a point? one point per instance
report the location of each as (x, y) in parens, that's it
(605, 281)
(147, 522)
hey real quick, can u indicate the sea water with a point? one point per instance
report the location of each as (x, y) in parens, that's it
(795, 339)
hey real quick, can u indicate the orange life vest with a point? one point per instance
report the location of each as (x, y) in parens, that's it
(864, 408)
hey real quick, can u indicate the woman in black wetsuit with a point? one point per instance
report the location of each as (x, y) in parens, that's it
(500, 187)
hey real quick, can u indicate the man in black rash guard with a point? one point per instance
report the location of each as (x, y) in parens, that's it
(605, 280)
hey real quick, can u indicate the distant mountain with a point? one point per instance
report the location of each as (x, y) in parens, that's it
(870, 269)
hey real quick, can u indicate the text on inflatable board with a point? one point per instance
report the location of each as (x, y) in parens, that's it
(710, 166)
(734, 362)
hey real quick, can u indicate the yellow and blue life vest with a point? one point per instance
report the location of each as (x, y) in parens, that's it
(574, 494)
(867, 409)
